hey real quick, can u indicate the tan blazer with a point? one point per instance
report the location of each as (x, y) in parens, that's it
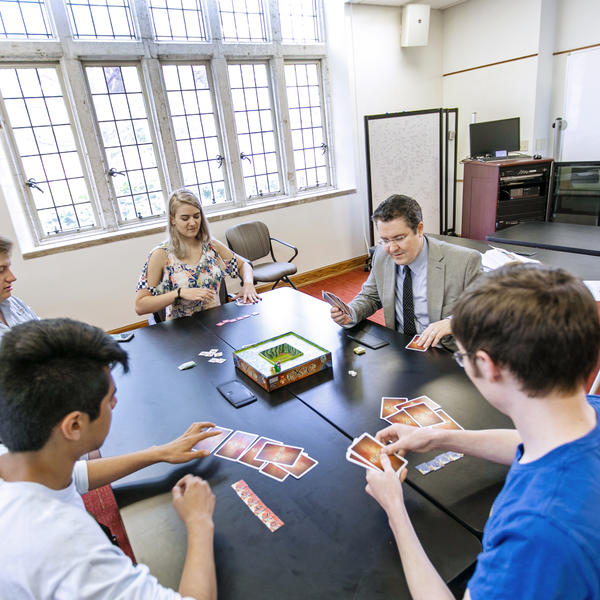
(450, 269)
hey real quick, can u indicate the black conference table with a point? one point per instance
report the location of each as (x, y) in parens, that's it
(584, 266)
(566, 237)
(465, 488)
(336, 540)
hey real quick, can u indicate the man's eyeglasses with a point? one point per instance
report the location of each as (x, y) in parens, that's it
(397, 240)
(459, 357)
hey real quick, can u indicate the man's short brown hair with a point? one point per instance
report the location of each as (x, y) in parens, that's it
(539, 322)
(5, 245)
(398, 206)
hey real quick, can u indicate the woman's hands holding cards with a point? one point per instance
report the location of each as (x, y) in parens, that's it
(180, 449)
(403, 438)
(386, 487)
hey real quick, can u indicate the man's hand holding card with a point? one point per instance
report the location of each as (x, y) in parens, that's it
(366, 452)
(386, 487)
(340, 311)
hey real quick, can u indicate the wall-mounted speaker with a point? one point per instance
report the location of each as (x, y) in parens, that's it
(415, 25)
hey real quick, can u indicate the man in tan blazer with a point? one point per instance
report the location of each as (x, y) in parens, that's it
(433, 274)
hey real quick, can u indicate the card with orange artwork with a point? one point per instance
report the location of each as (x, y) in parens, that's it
(423, 414)
(388, 405)
(414, 345)
(403, 418)
(274, 471)
(212, 442)
(233, 448)
(249, 456)
(449, 422)
(302, 466)
(369, 449)
(278, 453)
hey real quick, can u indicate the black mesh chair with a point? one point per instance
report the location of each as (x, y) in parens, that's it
(253, 242)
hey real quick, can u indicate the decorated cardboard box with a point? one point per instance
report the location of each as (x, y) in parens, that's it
(280, 360)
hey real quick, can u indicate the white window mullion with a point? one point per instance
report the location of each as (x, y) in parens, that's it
(282, 110)
(223, 98)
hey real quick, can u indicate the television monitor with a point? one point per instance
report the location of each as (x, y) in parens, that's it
(494, 138)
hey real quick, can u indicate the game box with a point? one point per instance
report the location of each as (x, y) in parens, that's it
(280, 360)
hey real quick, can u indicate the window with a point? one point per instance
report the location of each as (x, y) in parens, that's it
(306, 122)
(100, 136)
(177, 20)
(195, 129)
(250, 92)
(100, 19)
(24, 19)
(44, 138)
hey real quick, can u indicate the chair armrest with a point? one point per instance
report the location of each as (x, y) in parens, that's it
(285, 244)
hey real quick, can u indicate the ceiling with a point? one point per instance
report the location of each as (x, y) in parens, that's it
(436, 4)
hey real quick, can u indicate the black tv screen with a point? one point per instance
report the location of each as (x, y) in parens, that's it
(491, 137)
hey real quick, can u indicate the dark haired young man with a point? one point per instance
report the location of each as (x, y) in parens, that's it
(56, 400)
(528, 338)
(415, 278)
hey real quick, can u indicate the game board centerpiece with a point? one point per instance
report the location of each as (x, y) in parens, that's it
(280, 360)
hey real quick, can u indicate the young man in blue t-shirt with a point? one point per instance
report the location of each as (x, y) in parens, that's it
(528, 338)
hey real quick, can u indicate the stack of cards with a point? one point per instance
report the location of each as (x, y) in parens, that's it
(269, 457)
(418, 412)
(438, 462)
(365, 451)
(337, 302)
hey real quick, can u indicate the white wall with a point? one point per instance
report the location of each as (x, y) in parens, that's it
(386, 77)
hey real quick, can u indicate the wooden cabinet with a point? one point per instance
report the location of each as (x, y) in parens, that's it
(498, 194)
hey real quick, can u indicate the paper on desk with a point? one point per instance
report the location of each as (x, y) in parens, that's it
(497, 257)
(594, 287)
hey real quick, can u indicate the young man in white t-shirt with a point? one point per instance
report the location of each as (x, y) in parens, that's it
(56, 399)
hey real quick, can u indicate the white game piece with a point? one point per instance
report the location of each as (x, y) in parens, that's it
(353, 373)
(186, 365)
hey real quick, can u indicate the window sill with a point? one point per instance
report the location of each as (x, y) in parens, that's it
(98, 238)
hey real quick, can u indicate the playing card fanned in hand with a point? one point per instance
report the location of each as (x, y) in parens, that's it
(337, 302)
(366, 452)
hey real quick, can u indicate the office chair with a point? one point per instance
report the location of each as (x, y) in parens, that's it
(161, 315)
(252, 241)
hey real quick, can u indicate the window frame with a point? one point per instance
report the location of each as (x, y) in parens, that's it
(149, 55)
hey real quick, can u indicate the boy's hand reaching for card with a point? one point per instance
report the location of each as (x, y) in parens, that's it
(386, 487)
(180, 449)
(404, 438)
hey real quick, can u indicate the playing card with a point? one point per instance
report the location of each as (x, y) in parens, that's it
(425, 399)
(389, 406)
(424, 468)
(414, 345)
(302, 466)
(273, 471)
(254, 503)
(249, 456)
(449, 422)
(278, 453)
(454, 455)
(423, 415)
(214, 441)
(369, 449)
(337, 302)
(361, 462)
(403, 418)
(233, 448)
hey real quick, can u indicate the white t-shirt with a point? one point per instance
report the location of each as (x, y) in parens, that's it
(53, 549)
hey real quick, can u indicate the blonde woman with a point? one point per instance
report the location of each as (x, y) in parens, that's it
(184, 273)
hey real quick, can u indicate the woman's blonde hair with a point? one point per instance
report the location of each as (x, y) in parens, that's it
(178, 244)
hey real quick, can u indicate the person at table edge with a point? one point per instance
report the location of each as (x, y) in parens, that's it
(56, 401)
(12, 310)
(183, 274)
(439, 272)
(528, 338)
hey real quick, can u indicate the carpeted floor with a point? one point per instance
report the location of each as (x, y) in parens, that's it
(346, 286)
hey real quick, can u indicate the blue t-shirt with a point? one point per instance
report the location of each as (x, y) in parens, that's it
(542, 539)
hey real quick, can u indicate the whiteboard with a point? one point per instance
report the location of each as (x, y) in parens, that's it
(581, 137)
(404, 158)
